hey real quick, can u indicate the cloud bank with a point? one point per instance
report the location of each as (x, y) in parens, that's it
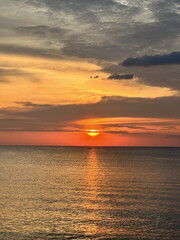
(39, 117)
(145, 61)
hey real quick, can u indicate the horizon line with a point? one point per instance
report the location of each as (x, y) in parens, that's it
(87, 146)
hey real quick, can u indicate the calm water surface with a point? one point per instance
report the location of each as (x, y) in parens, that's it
(50, 193)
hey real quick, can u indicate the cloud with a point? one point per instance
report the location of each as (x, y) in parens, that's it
(160, 76)
(30, 104)
(13, 72)
(171, 58)
(102, 32)
(45, 116)
(116, 115)
(4, 81)
(9, 72)
(42, 31)
(30, 51)
(94, 77)
(121, 76)
(164, 76)
(110, 30)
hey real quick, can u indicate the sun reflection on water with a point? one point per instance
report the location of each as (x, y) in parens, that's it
(92, 180)
(92, 171)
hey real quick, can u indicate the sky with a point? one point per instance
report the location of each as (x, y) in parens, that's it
(71, 66)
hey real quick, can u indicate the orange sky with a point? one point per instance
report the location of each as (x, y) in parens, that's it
(38, 83)
(50, 82)
(67, 69)
(82, 139)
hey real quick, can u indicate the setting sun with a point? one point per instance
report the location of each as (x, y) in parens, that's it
(92, 132)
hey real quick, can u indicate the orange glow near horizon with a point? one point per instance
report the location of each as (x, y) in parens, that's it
(83, 139)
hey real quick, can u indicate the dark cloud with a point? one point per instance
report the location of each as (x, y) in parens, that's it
(121, 76)
(109, 30)
(81, 6)
(152, 133)
(123, 37)
(45, 116)
(165, 59)
(30, 126)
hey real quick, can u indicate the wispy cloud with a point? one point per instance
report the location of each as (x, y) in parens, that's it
(5, 73)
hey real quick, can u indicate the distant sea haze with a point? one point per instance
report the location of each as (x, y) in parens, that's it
(54, 193)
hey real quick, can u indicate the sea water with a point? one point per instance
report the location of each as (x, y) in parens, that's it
(89, 193)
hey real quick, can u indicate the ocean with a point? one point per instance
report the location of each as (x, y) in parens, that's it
(53, 193)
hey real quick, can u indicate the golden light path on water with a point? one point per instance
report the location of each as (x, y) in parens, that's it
(96, 204)
(96, 180)
(92, 179)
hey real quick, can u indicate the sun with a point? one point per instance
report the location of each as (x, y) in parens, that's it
(92, 132)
